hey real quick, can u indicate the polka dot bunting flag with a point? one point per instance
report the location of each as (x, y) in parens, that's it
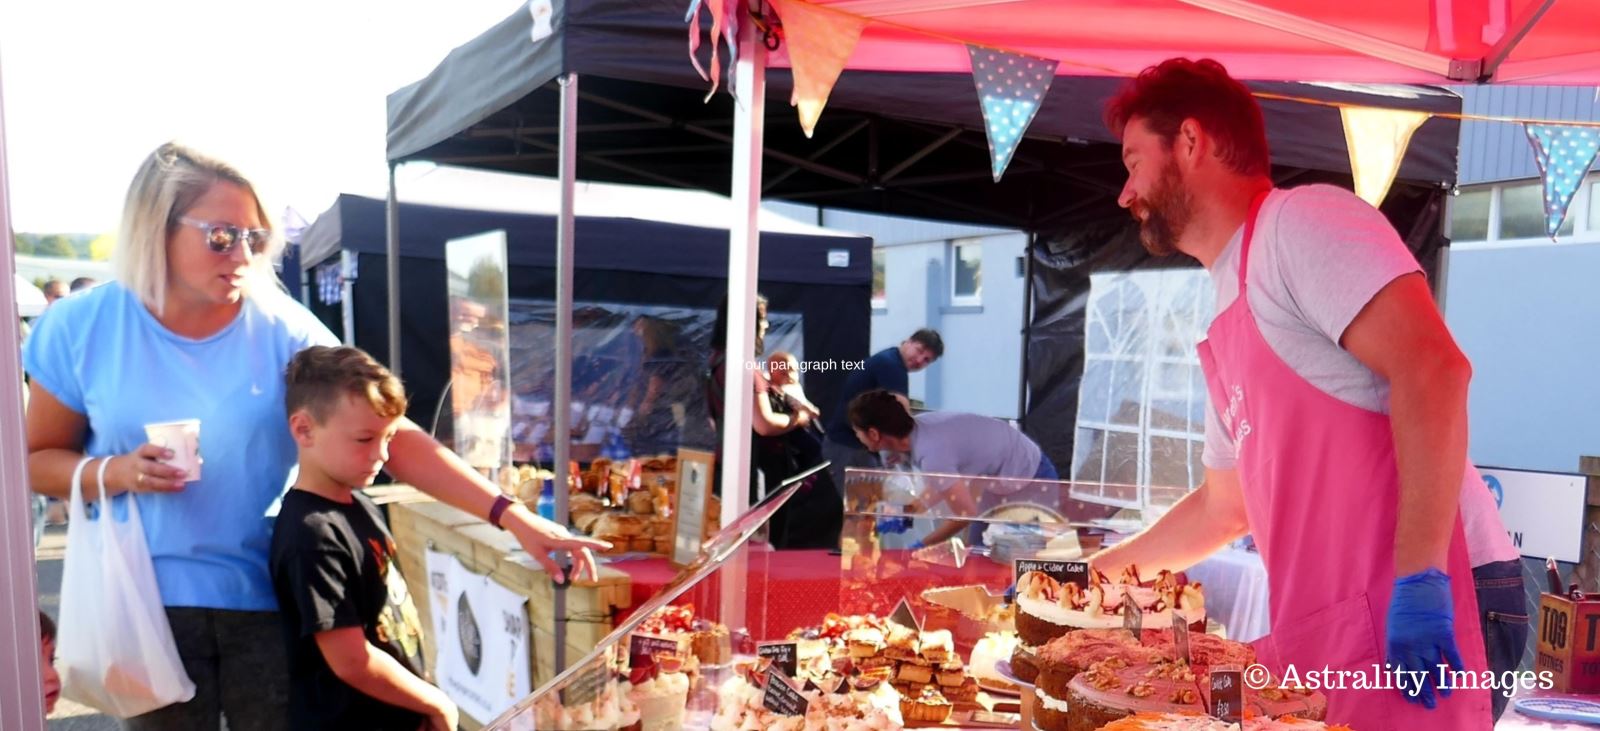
(1011, 87)
(1564, 154)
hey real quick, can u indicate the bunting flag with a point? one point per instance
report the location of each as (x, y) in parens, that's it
(819, 42)
(1011, 87)
(1564, 154)
(1377, 140)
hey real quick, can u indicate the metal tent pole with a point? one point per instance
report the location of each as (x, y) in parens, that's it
(744, 257)
(21, 706)
(565, 230)
(392, 267)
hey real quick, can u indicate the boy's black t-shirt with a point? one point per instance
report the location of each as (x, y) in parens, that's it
(333, 566)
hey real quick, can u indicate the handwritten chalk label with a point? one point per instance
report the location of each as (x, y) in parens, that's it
(784, 656)
(1066, 572)
(781, 697)
(904, 617)
(1180, 636)
(587, 685)
(1227, 694)
(642, 649)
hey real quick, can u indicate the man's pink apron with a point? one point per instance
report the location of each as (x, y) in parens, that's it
(1321, 490)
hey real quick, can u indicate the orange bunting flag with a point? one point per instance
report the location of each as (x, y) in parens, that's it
(819, 42)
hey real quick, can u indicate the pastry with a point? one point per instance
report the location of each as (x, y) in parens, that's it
(929, 706)
(936, 646)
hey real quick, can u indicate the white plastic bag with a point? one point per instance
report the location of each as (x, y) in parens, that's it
(115, 650)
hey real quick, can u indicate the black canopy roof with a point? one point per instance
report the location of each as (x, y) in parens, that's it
(897, 143)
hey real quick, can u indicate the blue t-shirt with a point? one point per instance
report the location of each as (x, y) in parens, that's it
(886, 370)
(103, 355)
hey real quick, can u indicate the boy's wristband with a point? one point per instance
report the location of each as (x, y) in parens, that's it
(501, 503)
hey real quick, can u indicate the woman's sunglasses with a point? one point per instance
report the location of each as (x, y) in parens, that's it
(222, 237)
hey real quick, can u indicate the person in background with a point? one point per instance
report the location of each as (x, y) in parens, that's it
(354, 636)
(888, 369)
(47, 663)
(952, 443)
(1338, 415)
(54, 289)
(82, 283)
(815, 515)
(195, 327)
(770, 458)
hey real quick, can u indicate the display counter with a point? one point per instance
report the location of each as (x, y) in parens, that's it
(884, 633)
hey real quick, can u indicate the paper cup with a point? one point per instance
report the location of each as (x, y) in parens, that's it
(183, 438)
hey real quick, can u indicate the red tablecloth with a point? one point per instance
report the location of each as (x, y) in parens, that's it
(788, 589)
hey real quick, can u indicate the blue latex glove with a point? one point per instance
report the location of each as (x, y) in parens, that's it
(1421, 629)
(893, 525)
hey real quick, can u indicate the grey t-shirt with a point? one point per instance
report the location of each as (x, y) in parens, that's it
(955, 443)
(1320, 254)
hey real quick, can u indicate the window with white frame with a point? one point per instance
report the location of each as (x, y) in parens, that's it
(1142, 400)
(880, 279)
(1512, 214)
(966, 272)
(1522, 212)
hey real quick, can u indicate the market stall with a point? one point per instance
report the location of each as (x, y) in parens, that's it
(900, 140)
(644, 255)
(1460, 50)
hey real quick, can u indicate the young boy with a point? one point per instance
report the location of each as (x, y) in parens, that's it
(355, 640)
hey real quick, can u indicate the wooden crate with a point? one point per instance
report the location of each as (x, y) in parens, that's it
(482, 548)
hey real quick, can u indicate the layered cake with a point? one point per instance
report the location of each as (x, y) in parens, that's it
(1089, 681)
(1047, 609)
(1192, 722)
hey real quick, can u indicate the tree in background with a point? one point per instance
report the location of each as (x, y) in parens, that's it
(101, 247)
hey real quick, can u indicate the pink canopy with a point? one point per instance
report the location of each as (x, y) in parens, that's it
(1373, 41)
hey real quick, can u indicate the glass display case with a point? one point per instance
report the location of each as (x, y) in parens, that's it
(862, 636)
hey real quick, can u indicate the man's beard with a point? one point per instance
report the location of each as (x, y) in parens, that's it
(1167, 211)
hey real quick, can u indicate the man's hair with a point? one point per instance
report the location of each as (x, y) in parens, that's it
(929, 338)
(47, 627)
(319, 376)
(81, 283)
(55, 284)
(881, 409)
(1179, 88)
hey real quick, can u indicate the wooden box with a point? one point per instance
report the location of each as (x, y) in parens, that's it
(484, 549)
(1569, 642)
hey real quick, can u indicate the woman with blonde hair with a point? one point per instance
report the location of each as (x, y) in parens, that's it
(195, 327)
